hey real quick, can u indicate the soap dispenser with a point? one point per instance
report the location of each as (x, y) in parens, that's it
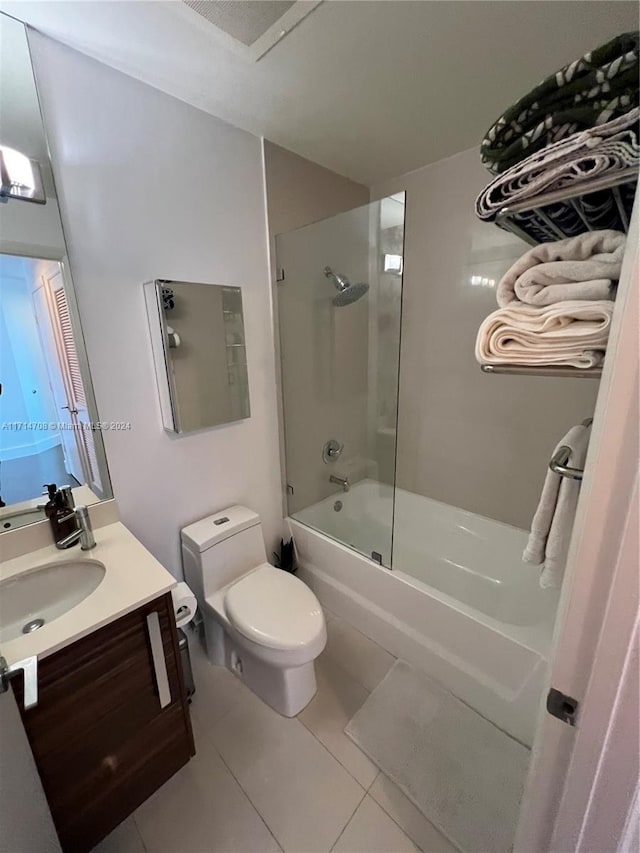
(50, 506)
(62, 519)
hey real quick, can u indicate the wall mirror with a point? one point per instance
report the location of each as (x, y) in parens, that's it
(197, 334)
(49, 426)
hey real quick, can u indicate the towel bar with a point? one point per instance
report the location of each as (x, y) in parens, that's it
(541, 370)
(558, 464)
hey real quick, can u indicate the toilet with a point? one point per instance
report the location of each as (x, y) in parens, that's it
(262, 623)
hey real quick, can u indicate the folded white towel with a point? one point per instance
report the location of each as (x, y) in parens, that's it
(582, 267)
(553, 520)
(573, 333)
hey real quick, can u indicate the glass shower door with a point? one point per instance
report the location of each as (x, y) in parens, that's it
(339, 320)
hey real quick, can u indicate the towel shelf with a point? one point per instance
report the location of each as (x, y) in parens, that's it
(531, 218)
(539, 370)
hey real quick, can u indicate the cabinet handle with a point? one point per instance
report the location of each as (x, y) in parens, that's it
(29, 668)
(159, 662)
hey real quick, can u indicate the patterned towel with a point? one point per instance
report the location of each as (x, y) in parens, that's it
(599, 86)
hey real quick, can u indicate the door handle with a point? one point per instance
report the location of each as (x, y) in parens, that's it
(71, 411)
(29, 668)
(159, 662)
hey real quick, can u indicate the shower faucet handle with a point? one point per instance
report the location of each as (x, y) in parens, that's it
(331, 451)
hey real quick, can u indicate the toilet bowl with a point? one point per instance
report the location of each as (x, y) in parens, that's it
(262, 623)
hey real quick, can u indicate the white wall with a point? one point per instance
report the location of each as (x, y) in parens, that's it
(153, 188)
(475, 441)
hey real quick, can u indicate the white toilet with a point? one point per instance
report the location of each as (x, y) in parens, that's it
(262, 623)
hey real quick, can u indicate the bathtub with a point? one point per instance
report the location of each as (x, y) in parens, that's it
(452, 595)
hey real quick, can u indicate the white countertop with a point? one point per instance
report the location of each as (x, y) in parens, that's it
(133, 577)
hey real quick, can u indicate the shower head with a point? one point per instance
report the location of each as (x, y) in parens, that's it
(347, 292)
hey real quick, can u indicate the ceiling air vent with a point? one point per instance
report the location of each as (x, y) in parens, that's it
(253, 27)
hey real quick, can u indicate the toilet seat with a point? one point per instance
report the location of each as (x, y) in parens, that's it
(273, 608)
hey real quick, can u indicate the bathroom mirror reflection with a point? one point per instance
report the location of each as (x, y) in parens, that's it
(49, 426)
(197, 334)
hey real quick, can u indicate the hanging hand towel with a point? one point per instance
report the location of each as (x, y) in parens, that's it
(552, 523)
(583, 267)
(572, 334)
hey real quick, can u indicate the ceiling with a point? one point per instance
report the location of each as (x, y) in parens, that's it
(369, 89)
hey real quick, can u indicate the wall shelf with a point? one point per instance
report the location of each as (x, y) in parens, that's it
(540, 370)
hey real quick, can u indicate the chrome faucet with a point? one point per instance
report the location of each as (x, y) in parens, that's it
(84, 533)
(340, 481)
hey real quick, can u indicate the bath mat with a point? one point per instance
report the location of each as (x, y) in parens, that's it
(464, 774)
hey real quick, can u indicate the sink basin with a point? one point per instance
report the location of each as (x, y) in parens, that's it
(38, 596)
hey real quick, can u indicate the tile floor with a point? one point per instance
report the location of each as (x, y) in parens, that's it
(260, 782)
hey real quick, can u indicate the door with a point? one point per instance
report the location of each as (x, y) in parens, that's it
(79, 446)
(25, 818)
(600, 591)
(70, 449)
(70, 366)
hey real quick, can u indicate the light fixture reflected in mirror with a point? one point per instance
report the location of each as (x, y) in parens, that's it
(20, 177)
(392, 263)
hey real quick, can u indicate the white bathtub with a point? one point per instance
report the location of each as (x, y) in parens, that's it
(459, 601)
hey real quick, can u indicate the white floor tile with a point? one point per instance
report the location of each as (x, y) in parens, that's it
(217, 690)
(363, 659)
(303, 794)
(124, 839)
(421, 831)
(202, 809)
(371, 830)
(338, 698)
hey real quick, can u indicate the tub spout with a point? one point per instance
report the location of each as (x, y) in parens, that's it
(340, 481)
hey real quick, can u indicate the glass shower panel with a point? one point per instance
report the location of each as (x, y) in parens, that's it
(339, 319)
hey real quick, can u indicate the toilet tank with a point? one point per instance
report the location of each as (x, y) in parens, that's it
(220, 548)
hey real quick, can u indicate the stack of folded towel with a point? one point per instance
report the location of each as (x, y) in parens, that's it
(608, 149)
(556, 304)
(580, 124)
(597, 87)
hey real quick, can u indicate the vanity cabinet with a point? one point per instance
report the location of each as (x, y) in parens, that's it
(111, 724)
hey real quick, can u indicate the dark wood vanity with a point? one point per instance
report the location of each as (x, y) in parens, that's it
(111, 724)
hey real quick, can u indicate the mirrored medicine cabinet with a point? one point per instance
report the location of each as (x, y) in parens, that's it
(198, 341)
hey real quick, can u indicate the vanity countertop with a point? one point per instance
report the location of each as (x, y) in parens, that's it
(133, 577)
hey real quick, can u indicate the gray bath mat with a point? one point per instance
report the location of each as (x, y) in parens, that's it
(465, 775)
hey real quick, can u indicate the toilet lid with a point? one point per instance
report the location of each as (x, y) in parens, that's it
(274, 608)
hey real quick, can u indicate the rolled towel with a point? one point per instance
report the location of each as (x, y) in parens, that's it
(565, 334)
(612, 147)
(552, 524)
(582, 267)
(587, 92)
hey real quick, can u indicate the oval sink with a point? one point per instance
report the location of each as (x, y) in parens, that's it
(38, 596)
